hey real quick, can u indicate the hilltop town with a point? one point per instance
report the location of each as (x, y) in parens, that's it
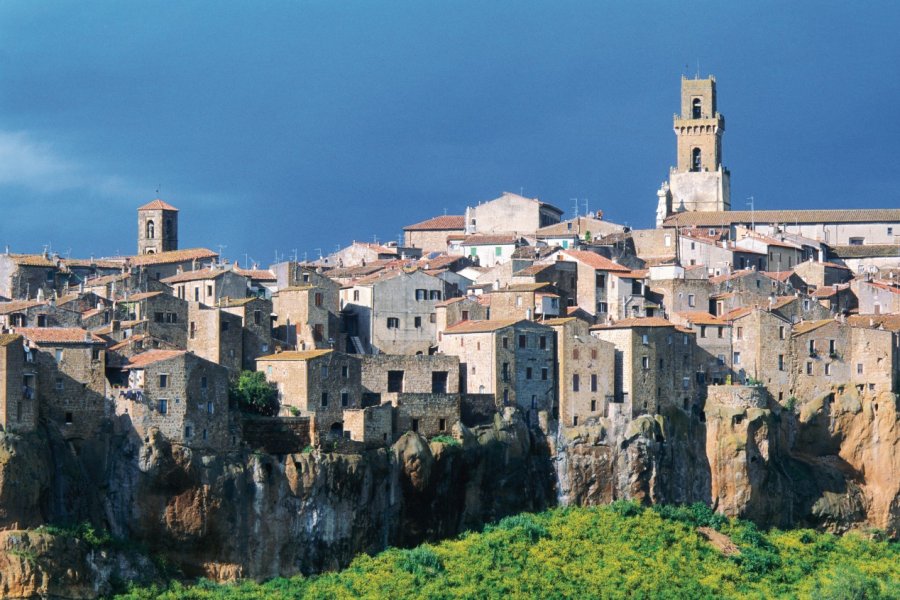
(715, 323)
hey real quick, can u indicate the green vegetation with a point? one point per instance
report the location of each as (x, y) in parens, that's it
(446, 439)
(617, 551)
(83, 531)
(253, 394)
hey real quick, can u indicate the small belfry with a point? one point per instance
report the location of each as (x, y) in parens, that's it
(699, 182)
(157, 227)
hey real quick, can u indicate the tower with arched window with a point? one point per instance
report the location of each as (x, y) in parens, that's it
(157, 227)
(699, 182)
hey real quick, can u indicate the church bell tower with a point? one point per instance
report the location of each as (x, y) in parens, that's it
(699, 182)
(157, 227)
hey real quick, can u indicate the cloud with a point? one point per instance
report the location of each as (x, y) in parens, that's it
(38, 167)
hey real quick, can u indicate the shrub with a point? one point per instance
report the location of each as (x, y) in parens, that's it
(253, 394)
(421, 561)
(525, 525)
(696, 514)
(445, 439)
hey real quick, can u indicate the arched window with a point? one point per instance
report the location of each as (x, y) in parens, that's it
(696, 107)
(695, 159)
(151, 230)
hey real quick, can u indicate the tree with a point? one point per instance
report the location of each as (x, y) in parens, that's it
(253, 394)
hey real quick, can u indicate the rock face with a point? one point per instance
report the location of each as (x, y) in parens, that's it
(830, 463)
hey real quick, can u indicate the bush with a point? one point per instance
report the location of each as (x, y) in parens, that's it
(445, 439)
(525, 525)
(697, 515)
(421, 561)
(253, 394)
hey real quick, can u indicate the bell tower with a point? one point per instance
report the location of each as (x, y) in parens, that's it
(157, 227)
(699, 182)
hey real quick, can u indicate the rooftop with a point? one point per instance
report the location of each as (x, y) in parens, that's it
(144, 359)
(173, 256)
(157, 205)
(720, 218)
(594, 260)
(441, 223)
(59, 335)
(483, 326)
(296, 355)
(637, 322)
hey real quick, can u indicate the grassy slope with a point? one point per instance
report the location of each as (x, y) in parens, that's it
(618, 551)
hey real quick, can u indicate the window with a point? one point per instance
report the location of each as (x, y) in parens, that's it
(831, 347)
(345, 371)
(345, 399)
(465, 315)
(498, 251)
(324, 399)
(188, 431)
(356, 295)
(692, 300)
(395, 381)
(95, 353)
(523, 341)
(781, 332)
(257, 317)
(203, 383)
(324, 371)
(163, 407)
(593, 406)
(197, 294)
(417, 322)
(439, 382)
(542, 342)
(645, 362)
(528, 373)
(740, 333)
(661, 363)
(696, 159)
(857, 241)
(827, 368)
(594, 352)
(575, 353)
(602, 307)
(601, 280)
(890, 231)
(318, 299)
(69, 419)
(432, 318)
(720, 359)
(209, 291)
(504, 372)
(545, 373)
(809, 367)
(576, 381)
(812, 347)
(667, 240)
(442, 424)
(318, 332)
(505, 342)
(158, 317)
(593, 383)
(859, 368)
(696, 108)
(210, 408)
(58, 354)
(415, 425)
(720, 332)
(736, 358)
(645, 339)
(781, 362)
(193, 330)
(163, 380)
(421, 295)
(59, 383)
(151, 230)
(225, 325)
(518, 301)
(434, 295)
(703, 331)
(393, 323)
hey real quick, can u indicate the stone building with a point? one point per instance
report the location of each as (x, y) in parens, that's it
(699, 182)
(38, 313)
(714, 356)
(182, 395)
(208, 285)
(392, 312)
(680, 289)
(532, 301)
(159, 265)
(216, 335)
(585, 372)
(605, 289)
(320, 384)
(25, 276)
(423, 389)
(157, 228)
(431, 235)
(877, 297)
(455, 310)
(654, 365)
(864, 361)
(511, 213)
(839, 299)
(372, 425)
(514, 360)
(486, 249)
(256, 327)
(577, 231)
(778, 255)
(820, 353)
(71, 378)
(18, 385)
(165, 317)
(761, 352)
(307, 313)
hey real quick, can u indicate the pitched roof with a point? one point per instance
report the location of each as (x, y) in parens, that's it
(32, 260)
(884, 286)
(781, 276)
(296, 355)
(637, 322)
(485, 239)
(172, 256)
(141, 296)
(595, 261)
(139, 361)
(862, 215)
(891, 322)
(829, 290)
(157, 205)
(59, 335)
(807, 326)
(256, 274)
(574, 227)
(198, 275)
(699, 317)
(17, 305)
(482, 326)
(441, 223)
(8, 338)
(865, 251)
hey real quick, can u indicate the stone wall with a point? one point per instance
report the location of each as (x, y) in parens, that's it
(276, 435)
(737, 396)
(72, 386)
(426, 414)
(372, 426)
(421, 374)
(18, 403)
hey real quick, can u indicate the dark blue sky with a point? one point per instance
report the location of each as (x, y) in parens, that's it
(302, 125)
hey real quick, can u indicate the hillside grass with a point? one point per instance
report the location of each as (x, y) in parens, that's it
(616, 551)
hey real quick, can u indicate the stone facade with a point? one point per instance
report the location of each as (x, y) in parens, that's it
(71, 379)
(373, 425)
(216, 335)
(877, 297)
(208, 286)
(511, 213)
(157, 228)
(585, 372)
(761, 350)
(256, 327)
(166, 317)
(182, 395)
(18, 386)
(307, 314)
(426, 414)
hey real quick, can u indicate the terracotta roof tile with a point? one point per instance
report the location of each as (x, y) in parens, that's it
(807, 326)
(17, 305)
(198, 275)
(256, 274)
(173, 256)
(144, 359)
(891, 322)
(595, 261)
(296, 355)
(157, 205)
(59, 335)
(637, 322)
(721, 218)
(8, 338)
(699, 317)
(483, 326)
(487, 239)
(441, 223)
